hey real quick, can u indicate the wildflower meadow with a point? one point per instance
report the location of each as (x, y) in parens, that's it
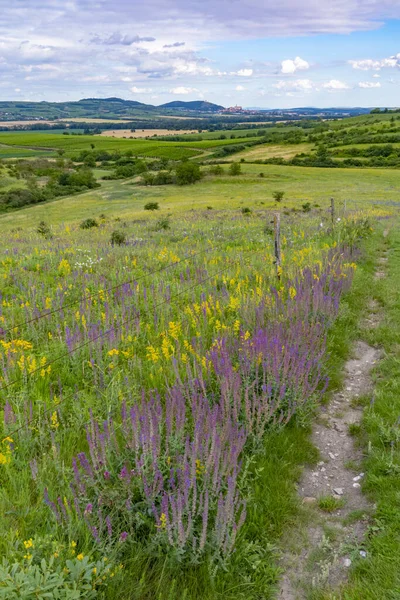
(141, 385)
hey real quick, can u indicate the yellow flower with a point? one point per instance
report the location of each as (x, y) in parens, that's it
(28, 556)
(28, 544)
(113, 352)
(55, 555)
(64, 268)
(73, 544)
(80, 556)
(54, 421)
(94, 571)
(163, 521)
(292, 292)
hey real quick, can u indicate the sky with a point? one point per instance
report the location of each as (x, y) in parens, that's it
(253, 53)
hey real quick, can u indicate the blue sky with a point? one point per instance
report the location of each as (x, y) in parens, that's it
(247, 52)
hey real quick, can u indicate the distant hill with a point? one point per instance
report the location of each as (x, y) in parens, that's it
(197, 105)
(111, 108)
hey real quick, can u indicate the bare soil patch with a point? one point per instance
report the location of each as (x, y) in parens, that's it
(330, 540)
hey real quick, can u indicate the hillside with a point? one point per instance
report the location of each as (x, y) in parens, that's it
(197, 105)
(97, 108)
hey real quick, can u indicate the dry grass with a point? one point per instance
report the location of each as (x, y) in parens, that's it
(272, 151)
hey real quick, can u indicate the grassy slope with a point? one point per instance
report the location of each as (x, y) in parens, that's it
(264, 151)
(300, 184)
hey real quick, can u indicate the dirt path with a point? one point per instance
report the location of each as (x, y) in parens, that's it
(335, 508)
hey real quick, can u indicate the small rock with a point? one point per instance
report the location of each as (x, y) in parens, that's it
(356, 485)
(309, 500)
(363, 554)
(323, 469)
(358, 477)
(321, 463)
(347, 562)
(338, 491)
(331, 455)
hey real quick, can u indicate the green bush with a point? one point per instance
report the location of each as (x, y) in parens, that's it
(88, 223)
(44, 230)
(188, 173)
(246, 210)
(152, 206)
(278, 196)
(52, 579)
(118, 238)
(234, 169)
(306, 206)
(161, 224)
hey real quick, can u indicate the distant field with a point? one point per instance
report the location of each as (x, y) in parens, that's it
(272, 151)
(73, 144)
(142, 133)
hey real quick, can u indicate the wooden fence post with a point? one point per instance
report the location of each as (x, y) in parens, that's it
(333, 211)
(277, 236)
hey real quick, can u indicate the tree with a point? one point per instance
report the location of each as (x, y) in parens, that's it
(234, 169)
(187, 173)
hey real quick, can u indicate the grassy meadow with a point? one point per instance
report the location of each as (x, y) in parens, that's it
(160, 372)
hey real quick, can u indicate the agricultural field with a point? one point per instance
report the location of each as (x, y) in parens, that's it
(143, 133)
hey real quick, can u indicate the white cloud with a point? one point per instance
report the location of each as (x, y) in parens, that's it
(243, 73)
(334, 85)
(298, 85)
(180, 90)
(291, 66)
(369, 84)
(137, 90)
(370, 64)
(376, 75)
(239, 88)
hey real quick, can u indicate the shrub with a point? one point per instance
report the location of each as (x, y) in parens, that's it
(44, 230)
(163, 223)
(152, 206)
(88, 223)
(306, 207)
(278, 196)
(216, 170)
(188, 173)
(234, 169)
(246, 210)
(118, 238)
(261, 175)
(49, 580)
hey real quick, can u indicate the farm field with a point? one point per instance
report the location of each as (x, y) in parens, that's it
(76, 143)
(121, 133)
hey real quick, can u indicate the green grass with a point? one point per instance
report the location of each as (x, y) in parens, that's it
(378, 576)
(75, 143)
(330, 504)
(360, 188)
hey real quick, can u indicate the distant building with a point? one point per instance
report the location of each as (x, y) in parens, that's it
(233, 110)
